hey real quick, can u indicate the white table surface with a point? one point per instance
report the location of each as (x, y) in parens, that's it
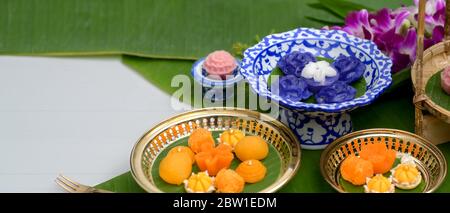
(76, 116)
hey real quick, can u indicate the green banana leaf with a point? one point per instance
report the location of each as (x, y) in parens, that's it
(174, 29)
(392, 110)
(436, 93)
(341, 8)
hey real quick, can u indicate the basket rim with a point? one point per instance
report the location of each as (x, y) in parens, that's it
(345, 139)
(139, 147)
(433, 108)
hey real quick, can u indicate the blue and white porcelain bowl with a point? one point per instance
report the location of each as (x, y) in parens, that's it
(214, 89)
(316, 125)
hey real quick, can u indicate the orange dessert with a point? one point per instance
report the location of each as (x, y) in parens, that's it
(175, 168)
(201, 140)
(183, 149)
(379, 155)
(252, 171)
(355, 170)
(228, 181)
(214, 159)
(251, 148)
(231, 137)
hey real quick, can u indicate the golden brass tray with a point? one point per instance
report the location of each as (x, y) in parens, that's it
(152, 143)
(430, 160)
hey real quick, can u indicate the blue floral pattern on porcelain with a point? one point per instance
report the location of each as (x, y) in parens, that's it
(316, 125)
(315, 130)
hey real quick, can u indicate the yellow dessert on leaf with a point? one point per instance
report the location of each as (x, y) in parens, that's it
(251, 148)
(199, 183)
(379, 184)
(228, 181)
(231, 137)
(252, 171)
(406, 176)
(183, 149)
(175, 168)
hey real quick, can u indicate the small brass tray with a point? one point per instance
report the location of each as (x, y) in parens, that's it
(430, 160)
(157, 139)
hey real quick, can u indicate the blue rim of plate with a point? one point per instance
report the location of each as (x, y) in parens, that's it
(199, 77)
(255, 79)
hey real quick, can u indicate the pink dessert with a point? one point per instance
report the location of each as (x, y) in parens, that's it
(219, 64)
(445, 80)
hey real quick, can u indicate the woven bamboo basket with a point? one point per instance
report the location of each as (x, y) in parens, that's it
(432, 120)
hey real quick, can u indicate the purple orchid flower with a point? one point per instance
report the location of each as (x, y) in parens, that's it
(394, 31)
(386, 19)
(357, 24)
(434, 12)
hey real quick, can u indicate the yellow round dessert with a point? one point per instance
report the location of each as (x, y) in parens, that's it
(199, 183)
(251, 148)
(175, 168)
(379, 184)
(231, 137)
(183, 149)
(252, 171)
(406, 176)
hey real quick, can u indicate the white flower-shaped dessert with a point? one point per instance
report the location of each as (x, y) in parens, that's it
(199, 183)
(407, 158)
(379, 184)
(319, 71)
(406, 175)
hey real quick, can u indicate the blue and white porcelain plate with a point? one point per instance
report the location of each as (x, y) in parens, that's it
(316, 125)
(261, 59)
